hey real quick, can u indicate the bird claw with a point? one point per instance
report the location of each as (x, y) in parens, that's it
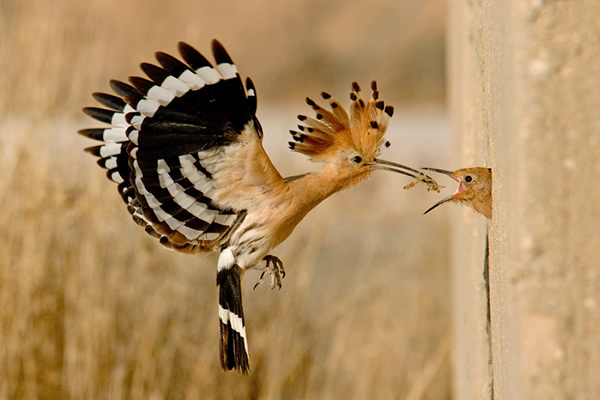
(274, 267)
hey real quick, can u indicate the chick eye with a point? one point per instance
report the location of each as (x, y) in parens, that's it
(468, 178)
(357, 159)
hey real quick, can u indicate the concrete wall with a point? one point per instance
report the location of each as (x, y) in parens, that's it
(525, 97)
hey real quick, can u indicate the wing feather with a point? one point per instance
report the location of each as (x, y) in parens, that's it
(185, 147)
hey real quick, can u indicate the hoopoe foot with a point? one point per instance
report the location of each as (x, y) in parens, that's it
(274, 267)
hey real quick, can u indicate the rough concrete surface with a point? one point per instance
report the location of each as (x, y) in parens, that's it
(525, 96)
(472, 359)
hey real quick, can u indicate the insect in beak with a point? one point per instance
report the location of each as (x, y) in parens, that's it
(446, 199)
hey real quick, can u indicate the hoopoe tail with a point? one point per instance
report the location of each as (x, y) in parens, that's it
(233, 342)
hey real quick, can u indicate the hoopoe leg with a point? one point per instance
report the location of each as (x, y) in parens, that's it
(233, 342)
(274, 267)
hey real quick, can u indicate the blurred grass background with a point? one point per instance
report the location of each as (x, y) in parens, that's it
(93, 308)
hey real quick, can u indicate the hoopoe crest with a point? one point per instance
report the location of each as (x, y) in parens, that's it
(185, 147)
(328, 133)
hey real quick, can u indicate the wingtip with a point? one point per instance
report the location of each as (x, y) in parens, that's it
(183, 46)
(93, 150)
(250, 85)
(122, 88)
(217, 46)
(92, 133)
(219, 52)
(99, 114)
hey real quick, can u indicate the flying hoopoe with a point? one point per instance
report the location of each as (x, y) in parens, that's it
(474, 189)
(185, 147)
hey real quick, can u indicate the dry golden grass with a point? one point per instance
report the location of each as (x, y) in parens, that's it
(92, 308)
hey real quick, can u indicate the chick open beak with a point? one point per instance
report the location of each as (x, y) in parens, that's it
(444, 200)
(439, 203)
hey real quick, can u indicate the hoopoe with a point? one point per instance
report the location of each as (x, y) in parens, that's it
(474, 189)
(185, 147)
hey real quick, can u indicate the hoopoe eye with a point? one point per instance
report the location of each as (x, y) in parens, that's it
(468, 178)
(357, 159)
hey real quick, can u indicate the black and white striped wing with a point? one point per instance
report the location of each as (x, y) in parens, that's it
(168, 134)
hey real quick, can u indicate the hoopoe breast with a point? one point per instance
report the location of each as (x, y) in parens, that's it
(263, 229)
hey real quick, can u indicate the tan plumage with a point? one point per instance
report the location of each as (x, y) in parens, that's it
(347, 145)
(474, 189)
(185, 147)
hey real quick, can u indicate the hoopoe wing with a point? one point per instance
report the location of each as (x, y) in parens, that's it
(184, 146)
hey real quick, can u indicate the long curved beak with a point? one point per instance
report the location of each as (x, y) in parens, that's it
(399, 168)
(441, 171)
(439, 203)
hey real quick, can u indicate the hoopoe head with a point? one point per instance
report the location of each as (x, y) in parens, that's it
(474, 189)
(350, 142)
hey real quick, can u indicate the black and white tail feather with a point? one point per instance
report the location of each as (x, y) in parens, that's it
(234, 345)
(167, 134)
